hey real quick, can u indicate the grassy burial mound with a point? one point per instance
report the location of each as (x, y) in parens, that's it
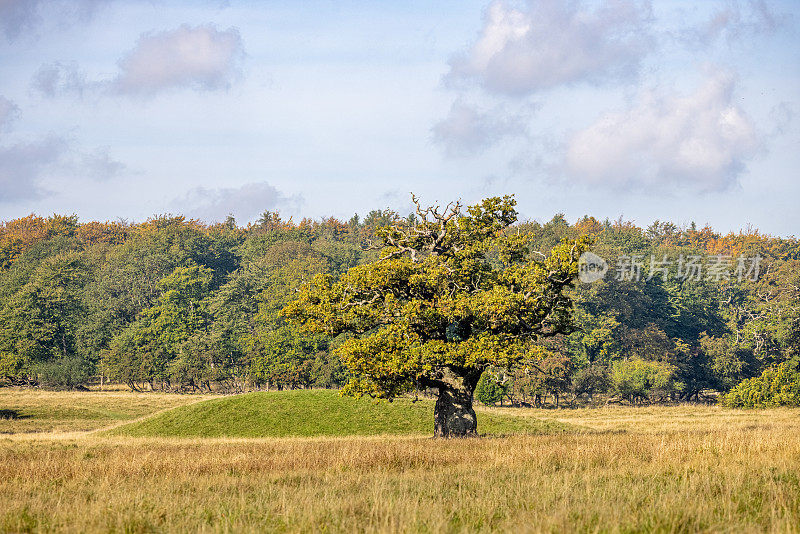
(313, 413)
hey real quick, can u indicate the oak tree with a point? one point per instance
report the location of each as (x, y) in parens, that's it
(451, 294)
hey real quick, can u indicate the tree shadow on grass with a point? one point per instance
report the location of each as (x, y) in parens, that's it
(12, 414)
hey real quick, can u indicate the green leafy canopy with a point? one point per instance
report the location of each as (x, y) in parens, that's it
(452, 293)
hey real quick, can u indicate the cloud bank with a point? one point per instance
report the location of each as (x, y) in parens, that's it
(60, 79)
(25, 164)
(22, 164)
(18, 17)
(701, 141)
(98, 164)
(548, 43)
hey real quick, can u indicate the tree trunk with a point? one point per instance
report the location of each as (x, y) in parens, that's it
(453, 414)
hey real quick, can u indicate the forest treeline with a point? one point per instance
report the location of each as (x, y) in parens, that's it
(174, 304)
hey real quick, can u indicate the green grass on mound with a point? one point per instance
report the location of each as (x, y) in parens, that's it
(314, 413)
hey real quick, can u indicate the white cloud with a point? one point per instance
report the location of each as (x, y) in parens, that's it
(467, 130)
(548, 43)
(245, 202)
(200, 58)
(22, 164)
(702, 141)
(8, 112)
(781, 117)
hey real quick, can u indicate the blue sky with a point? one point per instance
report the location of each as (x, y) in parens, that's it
(644, 110)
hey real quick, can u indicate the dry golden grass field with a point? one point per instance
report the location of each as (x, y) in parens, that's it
(651, 469)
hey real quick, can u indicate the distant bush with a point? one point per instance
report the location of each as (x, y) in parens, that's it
(636, 379)
(778, 385)
(590, 380)
(489, 390)
(65, 372)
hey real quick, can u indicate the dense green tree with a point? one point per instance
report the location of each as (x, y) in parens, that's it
(280, 354)
(40, 322)
(590, 380)
(772, 327)
(20, 271)
(285, 358)
(713, 333)
(148, 348)
(197, 364)
(728, 362)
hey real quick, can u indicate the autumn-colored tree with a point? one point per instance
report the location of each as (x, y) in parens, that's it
(19, 235)
(112, 233)
(435, 312)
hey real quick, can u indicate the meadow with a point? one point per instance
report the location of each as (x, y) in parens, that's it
(142, 462)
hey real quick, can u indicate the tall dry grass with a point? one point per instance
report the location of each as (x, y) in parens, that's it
(658, 418)
(739, 480)
(658, 469)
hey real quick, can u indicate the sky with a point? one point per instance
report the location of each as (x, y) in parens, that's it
(641, 110)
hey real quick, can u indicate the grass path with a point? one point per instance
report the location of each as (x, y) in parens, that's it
(110, 428)
(41, 413)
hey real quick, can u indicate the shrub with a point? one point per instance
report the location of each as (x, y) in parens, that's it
(489, 390)
(63, 372)
(778, 385)
(591, 380)
(636, 379)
